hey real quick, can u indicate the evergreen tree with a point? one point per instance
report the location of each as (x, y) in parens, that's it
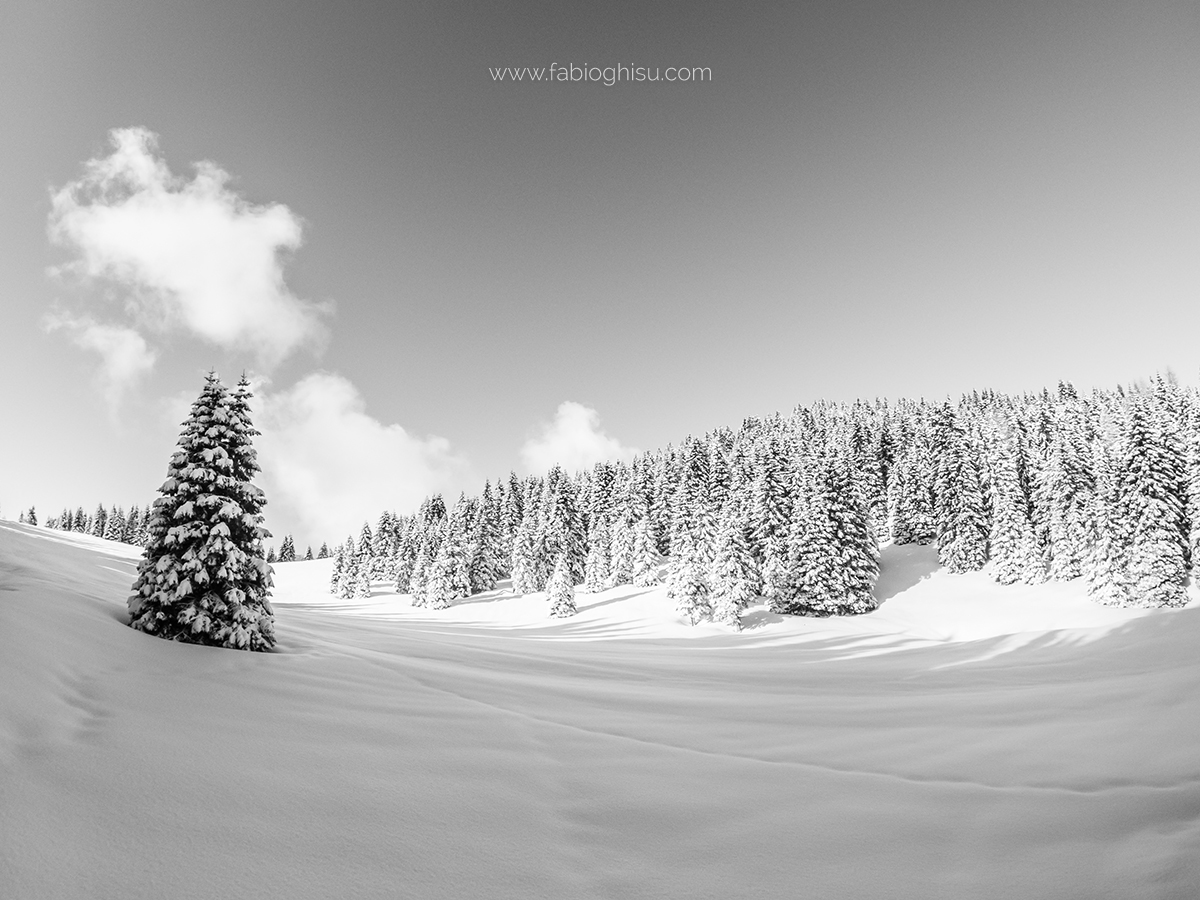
(272, 556)
(203, 578)
(323, 553)
(560, 590)
(419, 579)
(621, 560)
(598, 566)
(1108, 560)
(287, 550)
(733, 578)
(645, 555)
(687, 582)
(1153, 487)
(961, 515)
(339, 563)
(114, 526)
(1012, 544)
(308, 554)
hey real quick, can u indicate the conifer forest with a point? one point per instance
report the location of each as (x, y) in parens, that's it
(1055, 485)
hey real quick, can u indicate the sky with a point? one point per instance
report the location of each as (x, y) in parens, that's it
(434, 277)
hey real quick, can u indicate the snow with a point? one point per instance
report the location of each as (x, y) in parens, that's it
(965, 740)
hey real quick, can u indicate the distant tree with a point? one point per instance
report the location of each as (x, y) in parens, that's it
(962, 528)
(203, 578)
(560, 591)
(308, 554)
(732, 574)
(597, 566)
(272, 556)
(287, 550)
(687, 581)
(323, 553)
(645, 555)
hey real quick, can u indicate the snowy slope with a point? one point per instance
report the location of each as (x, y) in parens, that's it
(965, 740)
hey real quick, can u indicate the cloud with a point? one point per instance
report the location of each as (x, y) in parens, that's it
(187, 254)
(573, 440)
(328, 465)
(124, 354)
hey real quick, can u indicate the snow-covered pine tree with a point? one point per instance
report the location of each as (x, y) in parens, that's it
(645, 555)
(523, 567)
(418, 581)
(308, 554)
(560, 590)
(733, 578)
(1152, 487)
(449, 579)
(348, 577)
(339, 562)
(1107, 570)
(114, 525)
(323, 553)
(483, 546)
(133, 525)
(360, 587)
(621, 559)
(770, 500)
(272, 556)
(98, 521)
(287, 550)
(598, 568)
(365, 549)
(1064, 485)
(381, 547)
(203, 577)
(564, 525)
(961, 513)
(1012, 546)
(687, 581)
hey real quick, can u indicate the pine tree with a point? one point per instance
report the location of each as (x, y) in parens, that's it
(645, 555)
(598, 566)
(733, 578)
(687, 582)
(621, 561)
(1153, 486)
(560, 590)
(203, 578)
(419, 579)
(339, 563)
(961, 515)
(114, 525)
(272, 556)
(348, 576)
(1108, 560)
(524, 566)
(308, 554)
(323, 553)
(287, 550)
(1012, 544)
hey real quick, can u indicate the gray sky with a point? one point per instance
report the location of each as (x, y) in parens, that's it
(866, 199)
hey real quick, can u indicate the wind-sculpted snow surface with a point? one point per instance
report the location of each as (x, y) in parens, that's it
(964, 740)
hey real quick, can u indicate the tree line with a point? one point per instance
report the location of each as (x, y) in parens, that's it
(1053, 485)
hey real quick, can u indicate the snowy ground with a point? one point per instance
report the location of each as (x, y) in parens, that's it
(964, 741)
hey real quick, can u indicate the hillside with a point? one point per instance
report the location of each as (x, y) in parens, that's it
(964, 740)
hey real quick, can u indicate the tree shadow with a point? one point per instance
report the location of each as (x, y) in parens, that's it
(902, 566)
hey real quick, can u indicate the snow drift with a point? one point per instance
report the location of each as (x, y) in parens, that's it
(965, 740)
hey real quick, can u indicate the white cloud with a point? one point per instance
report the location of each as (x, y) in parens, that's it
(124, 354)
(328, 465)
(188, 254)
(574, 440)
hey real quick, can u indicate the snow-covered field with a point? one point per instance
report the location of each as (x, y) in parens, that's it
(964, 741)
